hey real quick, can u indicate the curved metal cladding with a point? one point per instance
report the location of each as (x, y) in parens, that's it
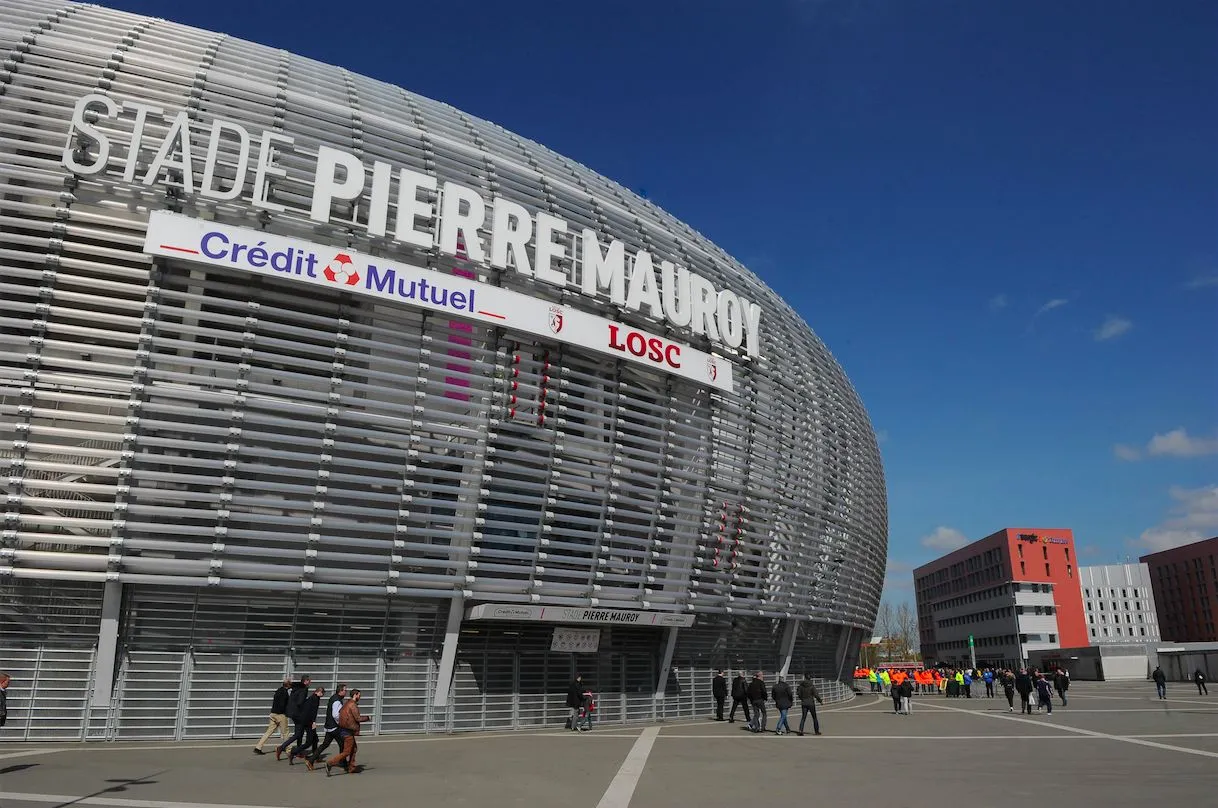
(173, 423)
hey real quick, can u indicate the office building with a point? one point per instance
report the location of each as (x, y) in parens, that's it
(1013, 592)
(1184, 581)
(1119, 603)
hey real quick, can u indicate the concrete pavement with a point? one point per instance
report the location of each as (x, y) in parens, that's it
(1113, 745)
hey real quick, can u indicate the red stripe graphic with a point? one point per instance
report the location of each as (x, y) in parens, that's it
(492, 314)
(179, 249)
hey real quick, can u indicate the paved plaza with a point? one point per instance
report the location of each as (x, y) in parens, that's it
(1113, 745)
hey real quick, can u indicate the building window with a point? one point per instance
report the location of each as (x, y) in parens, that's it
(1143, 630)
(1022, 569)
(1092, 632)
(1087, 592)
(1045, 550)
(1048, 574)
(1069, 570)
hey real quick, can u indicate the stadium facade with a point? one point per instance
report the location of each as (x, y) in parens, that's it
(302, 372)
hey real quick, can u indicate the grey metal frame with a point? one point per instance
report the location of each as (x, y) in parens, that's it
(168, 425)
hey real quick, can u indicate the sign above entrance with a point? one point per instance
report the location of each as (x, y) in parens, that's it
(576, 640)
(175, 236)
(576, 614)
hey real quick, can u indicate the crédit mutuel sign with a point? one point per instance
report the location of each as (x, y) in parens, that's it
(509, 233)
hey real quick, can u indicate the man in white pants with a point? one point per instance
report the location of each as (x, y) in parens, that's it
(906, 694)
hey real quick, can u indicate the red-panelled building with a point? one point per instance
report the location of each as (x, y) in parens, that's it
(1185, 585)
(1013, 592)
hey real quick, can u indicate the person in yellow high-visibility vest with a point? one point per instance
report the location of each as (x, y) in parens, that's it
(885, 682)
(874, 679)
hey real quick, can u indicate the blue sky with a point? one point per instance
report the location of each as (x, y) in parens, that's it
(1002, 217)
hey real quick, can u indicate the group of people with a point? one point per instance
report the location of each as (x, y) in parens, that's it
(955, 683)
(752, 696)
(300, 703)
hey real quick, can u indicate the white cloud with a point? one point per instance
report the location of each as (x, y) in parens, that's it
(1193, 517)
(945, 538)
(1055, 303)
(1178, 443)
(998, 302)
(1112, 328)
(1202, 281)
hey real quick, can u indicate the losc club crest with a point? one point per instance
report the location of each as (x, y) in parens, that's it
(712, 368)
(556, 319)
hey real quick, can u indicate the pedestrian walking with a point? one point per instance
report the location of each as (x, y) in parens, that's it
(1160, 679)
(1044, 694)
(349, 721)
(1199, 680)
(719, 691)
(1023, 684)
(309, 711)
(1061, 683)
(907, 691)
(740, 698)
(5, 680)
(988, 677)
(295, 714)
(809, 697)
(1008, 689)
(333, 707)
(784, 698)
(757, 698)
(575, 700)
(278, 719)
(895, 692)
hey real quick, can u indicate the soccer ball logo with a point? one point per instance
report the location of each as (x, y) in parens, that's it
(341, 270)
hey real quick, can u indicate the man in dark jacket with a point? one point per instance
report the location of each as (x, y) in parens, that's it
(757, 697)
(1160, 682)
(719, 691)
(333, 706)
(296, 699)
(784, 698)
(279, 716)
(1023, 685)
(308, 712)
(4, 682)
(1061, 683)
(740, 698)
(809, 697)
(1199, 680)
(575, 698)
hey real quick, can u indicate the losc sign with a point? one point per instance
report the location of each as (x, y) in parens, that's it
(172, 235)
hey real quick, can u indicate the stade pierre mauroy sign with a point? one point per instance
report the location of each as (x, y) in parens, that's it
(108, 133)
(576, 615)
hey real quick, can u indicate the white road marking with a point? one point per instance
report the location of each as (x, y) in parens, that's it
(835, 737)
(27, 753)
(621, 790)
(1081, 731)
(115, 802)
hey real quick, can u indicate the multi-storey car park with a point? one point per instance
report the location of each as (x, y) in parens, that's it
(302, 372)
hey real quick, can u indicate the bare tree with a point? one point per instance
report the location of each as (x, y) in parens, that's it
(885, 620)
(906, 620)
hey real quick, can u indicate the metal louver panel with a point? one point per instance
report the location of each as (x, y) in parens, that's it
(48, 634)
(164, 423)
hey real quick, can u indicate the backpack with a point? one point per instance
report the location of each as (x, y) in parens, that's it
(296, 701)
